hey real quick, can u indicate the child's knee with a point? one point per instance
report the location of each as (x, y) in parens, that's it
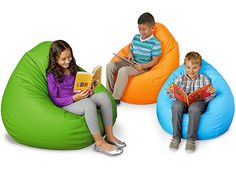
(103, 96)
(110, 66)
(123, 71)
(178, 106)
(90, 106)
(194, 108)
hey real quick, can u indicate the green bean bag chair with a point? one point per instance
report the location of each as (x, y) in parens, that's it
(31, 118)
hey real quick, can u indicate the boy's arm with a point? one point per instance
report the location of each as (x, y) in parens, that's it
(210, 90)
(153, 62)
(130, 55)
(170, 89)
(170, 92)
(156, 53)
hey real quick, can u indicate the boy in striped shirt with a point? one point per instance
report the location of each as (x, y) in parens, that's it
(145, 50)
(190, 81)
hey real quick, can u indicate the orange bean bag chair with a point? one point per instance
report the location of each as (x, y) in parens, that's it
(144, 88)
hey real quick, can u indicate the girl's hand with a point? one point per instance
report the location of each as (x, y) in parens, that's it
(139, 66)
(211, 90)
(81, 95)
(91, 90)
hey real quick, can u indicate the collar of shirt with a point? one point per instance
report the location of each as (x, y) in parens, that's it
(198, 77)
(142, 40)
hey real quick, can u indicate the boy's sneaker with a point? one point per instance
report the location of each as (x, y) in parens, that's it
(190, 146)
(174, 144)
(117, 102)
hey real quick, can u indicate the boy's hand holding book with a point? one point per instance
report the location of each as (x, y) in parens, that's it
(211, 90)
(129, 61)
(130, 56)
(198, 95)
(138, 66)
(170, 89)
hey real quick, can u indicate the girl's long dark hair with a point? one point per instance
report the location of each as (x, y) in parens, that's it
(56, 48)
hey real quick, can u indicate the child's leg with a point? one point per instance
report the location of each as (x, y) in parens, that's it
(195, 110)
(103, 101)
(122, 78)
(111, 70)
(89, 109)
(177, 113)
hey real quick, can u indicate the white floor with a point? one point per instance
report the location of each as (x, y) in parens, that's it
(146, 153)
(207, 27)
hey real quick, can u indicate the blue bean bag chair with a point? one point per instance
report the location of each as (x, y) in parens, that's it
(219, 113)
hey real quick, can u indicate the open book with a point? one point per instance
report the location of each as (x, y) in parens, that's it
(129, 62)
(85, 80)
(197, 95)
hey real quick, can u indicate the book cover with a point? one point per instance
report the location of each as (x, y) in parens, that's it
(129, 62)
(197, 95)
(85, 80)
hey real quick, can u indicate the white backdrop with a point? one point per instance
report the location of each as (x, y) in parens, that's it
(95, 29)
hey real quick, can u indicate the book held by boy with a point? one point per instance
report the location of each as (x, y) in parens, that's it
(85, 80)
(197, 95)
(129, 62)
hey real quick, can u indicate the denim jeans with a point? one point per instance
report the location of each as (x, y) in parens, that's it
(194, 112)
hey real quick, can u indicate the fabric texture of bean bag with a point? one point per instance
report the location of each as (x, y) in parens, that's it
(218, 115)
(144, 88)
(29, 115)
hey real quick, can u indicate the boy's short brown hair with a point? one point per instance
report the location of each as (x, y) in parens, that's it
(194, 57)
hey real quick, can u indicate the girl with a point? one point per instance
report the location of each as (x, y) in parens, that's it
(61, 73)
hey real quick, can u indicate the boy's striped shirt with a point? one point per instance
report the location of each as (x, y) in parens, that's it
(143, 50)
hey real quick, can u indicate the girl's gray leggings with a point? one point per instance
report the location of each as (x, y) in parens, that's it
(88, 107)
